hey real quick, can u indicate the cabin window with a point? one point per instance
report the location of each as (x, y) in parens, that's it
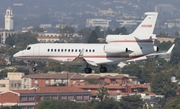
(75, 50)
(65, 50)
(55, 50)
(79, 50)
(28, 48)
(68, 50)
(51, 50)
(72, 50)
(58, 50)
(48, 50)
(89, 50)
(93, 50)
(61, 50)
(86, 50)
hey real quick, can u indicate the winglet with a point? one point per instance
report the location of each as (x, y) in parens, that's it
(170, 49)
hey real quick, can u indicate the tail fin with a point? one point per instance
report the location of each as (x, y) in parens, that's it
(148, 24)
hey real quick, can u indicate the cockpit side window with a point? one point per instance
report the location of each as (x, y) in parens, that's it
(28, 48)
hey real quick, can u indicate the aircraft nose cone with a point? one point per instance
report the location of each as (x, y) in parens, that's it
(15, 55)
(18, 54)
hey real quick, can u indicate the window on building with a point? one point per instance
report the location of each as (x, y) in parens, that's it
(30, 107)
(23, 107)
(55, 80)
(117, 90)
(31, 98)
(35, 81)
(54, 97)
(86, 97)
(47, 96)
(47, 82)
(63, 97)
(70, 97)
(23, 98)
(79, 97)
(41, 98)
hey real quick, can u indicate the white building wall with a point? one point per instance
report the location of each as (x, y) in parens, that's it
(97, 22)
(9, 19)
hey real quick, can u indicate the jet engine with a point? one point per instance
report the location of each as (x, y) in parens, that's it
(114, 49)
(156, 48)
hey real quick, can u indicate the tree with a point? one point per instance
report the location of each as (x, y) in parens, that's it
(57, 104)
(121, 30)
(133, 70)
(108, 104)
(173, 103)
(5, 108)
(93, 37)
(15, 107)
(85, 32)
(131, 102)
(161, 84)
(103, 93)
(98, 31)
(38, 29)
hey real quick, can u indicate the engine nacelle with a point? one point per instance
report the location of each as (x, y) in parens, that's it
(114, 49)
(156, 48)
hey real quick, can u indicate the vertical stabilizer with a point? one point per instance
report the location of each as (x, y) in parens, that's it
(147, 25)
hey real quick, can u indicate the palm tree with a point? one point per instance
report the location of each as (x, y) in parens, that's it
(103, 93)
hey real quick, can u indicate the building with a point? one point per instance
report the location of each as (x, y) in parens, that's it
(12, 82)
(97, 22)
(6, 33)
(27, 99)
(9, 19)
(44, 80)
(9, 27)
(48, 37)
(168, 8)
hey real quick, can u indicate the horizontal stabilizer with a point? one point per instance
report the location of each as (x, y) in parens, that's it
(163, 53)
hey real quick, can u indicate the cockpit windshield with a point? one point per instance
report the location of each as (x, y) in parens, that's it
(28, 48)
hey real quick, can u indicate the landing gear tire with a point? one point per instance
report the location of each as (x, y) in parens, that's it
(34, 69)
(88, 70)
(103, 69)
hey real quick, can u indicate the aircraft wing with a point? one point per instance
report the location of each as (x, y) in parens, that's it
(79, 60)
(153, 54)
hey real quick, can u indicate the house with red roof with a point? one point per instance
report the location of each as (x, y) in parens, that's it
(27, 99)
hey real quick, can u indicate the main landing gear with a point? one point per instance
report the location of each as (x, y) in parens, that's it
(33, 64)
(89, 70)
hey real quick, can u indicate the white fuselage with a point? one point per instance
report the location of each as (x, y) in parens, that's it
(67, 52)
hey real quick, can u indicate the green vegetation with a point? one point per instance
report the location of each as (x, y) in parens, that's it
(127, 102)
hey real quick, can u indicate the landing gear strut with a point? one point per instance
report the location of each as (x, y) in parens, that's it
(33, 64)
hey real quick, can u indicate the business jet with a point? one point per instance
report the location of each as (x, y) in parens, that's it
(135, 46)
